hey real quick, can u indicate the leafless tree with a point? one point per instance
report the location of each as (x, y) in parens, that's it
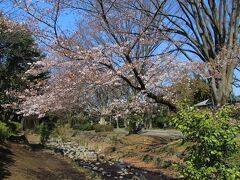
(210, 31)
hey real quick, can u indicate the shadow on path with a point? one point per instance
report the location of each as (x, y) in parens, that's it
(36, 147)
(5, 161)
(31, 161)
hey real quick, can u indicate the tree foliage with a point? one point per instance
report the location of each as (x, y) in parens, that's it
(17, 51)
(5, 132)
(194, 89)
(214, 140)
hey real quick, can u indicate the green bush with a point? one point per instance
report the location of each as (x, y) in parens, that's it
(15, 127)
(4, 131)
(133, 119)
(61, 131)
(80, 118)
(18, 126)
(102, 128)
(236, 115)
(83, 127)
(37, 128)
(214, 142)
(44, 133)
(160, 122)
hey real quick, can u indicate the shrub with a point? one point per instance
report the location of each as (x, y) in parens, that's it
(214, 142)
(18, 126)
(44, 133)
(133, 119)
(160, 122)
(83, 127)
(163, 121)
(37, 128)
(236, 115)
(78, 119)
(15, 127)
(61, 131)
(102, 128)
(4, 131)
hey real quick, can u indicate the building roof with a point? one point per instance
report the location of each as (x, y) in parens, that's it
(207, 102)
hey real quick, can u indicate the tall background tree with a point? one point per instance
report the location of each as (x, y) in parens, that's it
(17, 52)
(210, 31)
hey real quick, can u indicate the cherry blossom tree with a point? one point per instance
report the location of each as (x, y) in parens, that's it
(74, 84)
(116, 46)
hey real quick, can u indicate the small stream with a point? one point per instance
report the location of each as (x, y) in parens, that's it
(116, 170)
(108, 170)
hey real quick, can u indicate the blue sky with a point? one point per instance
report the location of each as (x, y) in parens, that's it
(68, 22)
(236, 91)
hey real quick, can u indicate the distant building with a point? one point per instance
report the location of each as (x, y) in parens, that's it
(205, 103)
(235, 100)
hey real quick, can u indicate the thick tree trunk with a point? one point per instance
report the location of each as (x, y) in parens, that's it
(222, 87)
(150, 123)
(147, 121)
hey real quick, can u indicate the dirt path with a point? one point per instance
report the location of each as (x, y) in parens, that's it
(163, 133)
(19, 163)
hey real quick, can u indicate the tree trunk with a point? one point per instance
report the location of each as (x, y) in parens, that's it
(110, 120)
(126, 123)
(150, 123)
(222, 87)
(117, 123)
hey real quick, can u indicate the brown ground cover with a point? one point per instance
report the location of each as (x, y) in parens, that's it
(20, 162)
(146, 152)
